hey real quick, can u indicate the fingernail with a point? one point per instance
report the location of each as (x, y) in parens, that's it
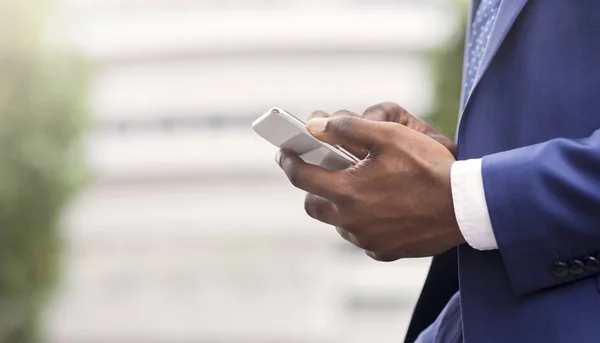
(317, 125)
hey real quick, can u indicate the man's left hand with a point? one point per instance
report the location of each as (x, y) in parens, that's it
(396, 203)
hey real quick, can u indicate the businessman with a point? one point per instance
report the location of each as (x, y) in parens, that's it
(513, 214)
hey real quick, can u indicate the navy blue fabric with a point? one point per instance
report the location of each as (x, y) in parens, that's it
(441, 284)
(447, 328)
(533, 115)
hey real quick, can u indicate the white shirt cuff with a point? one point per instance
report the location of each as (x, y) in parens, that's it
(470, 206)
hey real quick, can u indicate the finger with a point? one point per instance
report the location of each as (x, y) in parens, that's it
(345, 113)
(341, 113)
(381, 257)
(321, 209)
(387, 111)
(349, 131)
(445, 141)
(360, 153)
(392, 112)
(319, 114)
(308, 177)
(347, 236)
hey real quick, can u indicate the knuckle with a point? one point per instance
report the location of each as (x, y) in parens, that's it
(318, 114)
(372, 255)
(367, 243)
(294, 177)
(345, 125)
(375, 112)
(343, 113)
(308, 205)
(346, 224)
(347, 236)
(380, 257)
(343, 233)
(311, 207)
(286, 162)
(385, 106)
(373, 108)
(391, 106)
(387, 111)
(352, 239)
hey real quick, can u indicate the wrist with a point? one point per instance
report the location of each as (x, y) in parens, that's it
(457, 237)
(452, 233)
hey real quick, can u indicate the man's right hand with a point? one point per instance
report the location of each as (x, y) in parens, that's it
(386, 111)
(391, 112)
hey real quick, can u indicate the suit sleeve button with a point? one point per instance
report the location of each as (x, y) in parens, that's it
(591, 264)
(576, 268)
(560, 269)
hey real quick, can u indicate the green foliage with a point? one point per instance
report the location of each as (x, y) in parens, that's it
(447, 69)
(41, 120)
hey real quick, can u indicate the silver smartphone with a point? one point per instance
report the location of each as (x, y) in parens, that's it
(285, 131)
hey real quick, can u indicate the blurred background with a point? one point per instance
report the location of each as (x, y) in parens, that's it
(137, 205)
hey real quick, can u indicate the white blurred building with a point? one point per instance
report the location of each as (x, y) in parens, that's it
(189, 232)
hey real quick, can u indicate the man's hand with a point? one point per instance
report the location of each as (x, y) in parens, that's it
(395, 203)
(392, 112)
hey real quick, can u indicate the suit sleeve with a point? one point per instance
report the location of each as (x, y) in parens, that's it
(544, 206)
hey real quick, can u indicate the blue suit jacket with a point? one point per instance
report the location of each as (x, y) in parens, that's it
(534, 115)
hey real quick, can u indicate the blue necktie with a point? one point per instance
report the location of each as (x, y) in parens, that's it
(481, 28)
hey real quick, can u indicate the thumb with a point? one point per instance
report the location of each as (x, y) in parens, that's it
(348, 131)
